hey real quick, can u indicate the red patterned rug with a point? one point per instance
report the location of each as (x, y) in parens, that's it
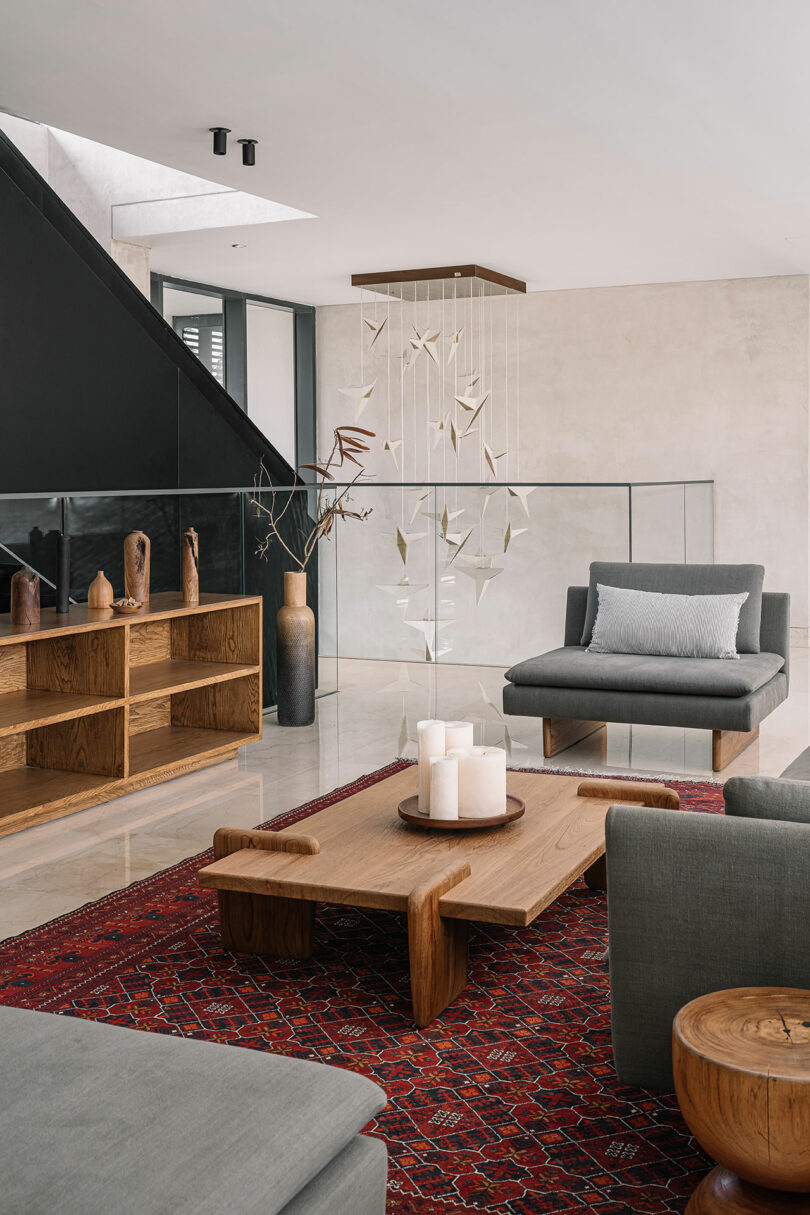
(508, 1102)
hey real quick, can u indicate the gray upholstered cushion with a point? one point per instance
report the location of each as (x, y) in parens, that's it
(766, 797)
(684, 580)
(697, 903)
(354, 1183)
(98, 1120)
(674, 626)
(574, 667)
(648, 708)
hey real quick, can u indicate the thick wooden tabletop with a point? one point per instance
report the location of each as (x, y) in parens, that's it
(369, 858)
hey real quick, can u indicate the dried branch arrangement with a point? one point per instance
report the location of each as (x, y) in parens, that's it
(347, 445)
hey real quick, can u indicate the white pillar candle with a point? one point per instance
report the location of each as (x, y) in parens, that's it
(430, 743)
(443, 787)
(458, 734)
(481, 782)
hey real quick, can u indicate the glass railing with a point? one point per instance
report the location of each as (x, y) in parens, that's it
(438, 572)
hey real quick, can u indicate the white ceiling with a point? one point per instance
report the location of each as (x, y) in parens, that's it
(568, 142)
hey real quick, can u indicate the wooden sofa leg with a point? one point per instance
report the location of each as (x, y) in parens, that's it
(559, 733)
(728, 744)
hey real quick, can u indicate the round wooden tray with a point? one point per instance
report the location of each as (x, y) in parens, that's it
(126, 609)
(410, 813)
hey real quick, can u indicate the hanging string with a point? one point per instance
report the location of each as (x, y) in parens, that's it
(507, 402)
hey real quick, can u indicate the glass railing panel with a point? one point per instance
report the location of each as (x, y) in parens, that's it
(503, 588)
(454, 574)
(699, 521)
(98, 524)
(659, 522)
(386, 585)
(28, 531)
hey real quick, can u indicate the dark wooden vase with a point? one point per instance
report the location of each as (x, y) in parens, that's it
(295, 654)
(137, 566)
(25, 597)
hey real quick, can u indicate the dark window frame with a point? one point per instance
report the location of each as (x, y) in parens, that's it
(234, 309)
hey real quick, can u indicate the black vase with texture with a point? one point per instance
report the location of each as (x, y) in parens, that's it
(295, 654)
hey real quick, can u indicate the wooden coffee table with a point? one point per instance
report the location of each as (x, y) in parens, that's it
(359, 853)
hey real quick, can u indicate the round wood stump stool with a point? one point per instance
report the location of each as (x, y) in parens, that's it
(741, 1060)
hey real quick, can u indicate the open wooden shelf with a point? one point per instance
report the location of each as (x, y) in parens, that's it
(22, 788)
(94, 705)
(29, 708)
(178, 675)
(156, 749)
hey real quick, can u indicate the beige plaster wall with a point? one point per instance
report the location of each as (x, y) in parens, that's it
(655, 382)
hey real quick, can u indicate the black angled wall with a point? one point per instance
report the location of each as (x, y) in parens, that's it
(98, 392)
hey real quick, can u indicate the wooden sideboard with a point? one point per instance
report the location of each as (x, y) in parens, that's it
(94, 705)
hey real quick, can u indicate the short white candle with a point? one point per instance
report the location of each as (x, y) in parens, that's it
(481, 782)
(443, 787)
(458, 734)
(431, 745)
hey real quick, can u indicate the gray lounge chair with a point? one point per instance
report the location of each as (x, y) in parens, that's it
(576, 693)
(700, 903)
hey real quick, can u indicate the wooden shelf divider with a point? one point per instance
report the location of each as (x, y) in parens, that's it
(178, 675)
(95, 705)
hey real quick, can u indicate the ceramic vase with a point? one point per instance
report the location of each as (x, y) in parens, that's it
(295, 654)
(137, 561)
(100, 594)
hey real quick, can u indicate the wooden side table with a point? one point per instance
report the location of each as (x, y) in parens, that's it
(741, 1060)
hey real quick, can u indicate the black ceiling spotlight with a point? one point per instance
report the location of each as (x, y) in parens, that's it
(248, 151)
(220, 139)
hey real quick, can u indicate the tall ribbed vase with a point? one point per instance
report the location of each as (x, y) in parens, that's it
(295, 654)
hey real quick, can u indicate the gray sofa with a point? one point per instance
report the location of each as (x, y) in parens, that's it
(700, 903)
(98, 1120)
(576, 693)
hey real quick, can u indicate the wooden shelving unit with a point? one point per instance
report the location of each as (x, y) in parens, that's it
(94, 705)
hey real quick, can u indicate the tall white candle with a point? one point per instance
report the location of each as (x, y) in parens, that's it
(481, 782)
(443, 788)
(430, 744)
(458, 734)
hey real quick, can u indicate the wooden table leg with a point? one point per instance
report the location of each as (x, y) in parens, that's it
(437, 947)
(259, 923)
(645, 793)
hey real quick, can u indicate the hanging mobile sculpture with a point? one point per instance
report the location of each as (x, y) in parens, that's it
(439, 361)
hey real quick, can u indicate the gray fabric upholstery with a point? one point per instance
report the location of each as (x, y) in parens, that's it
(575, 667)
(648, 708)
(774, 632)
(787, 801)
(351, 1184)
(697, 903)
(684, 580)
(576, 605)
(799, 769)
(98, 1120)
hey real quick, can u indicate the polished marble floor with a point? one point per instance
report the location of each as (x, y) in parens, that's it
(54, 868)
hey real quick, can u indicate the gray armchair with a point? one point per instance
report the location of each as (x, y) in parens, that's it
(576, 692)
(699, 903)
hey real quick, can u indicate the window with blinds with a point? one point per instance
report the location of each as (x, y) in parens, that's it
(205, 337)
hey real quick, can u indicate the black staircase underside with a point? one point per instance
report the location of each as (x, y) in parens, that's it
(98, 391)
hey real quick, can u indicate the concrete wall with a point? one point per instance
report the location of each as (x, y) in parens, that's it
(657, 382)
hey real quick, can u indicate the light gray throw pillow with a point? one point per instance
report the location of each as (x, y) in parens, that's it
(677, 626)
